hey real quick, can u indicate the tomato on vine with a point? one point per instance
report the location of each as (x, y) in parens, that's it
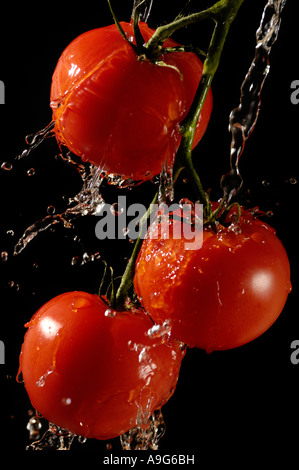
(222, 295)
(95, 371)
(122, 112)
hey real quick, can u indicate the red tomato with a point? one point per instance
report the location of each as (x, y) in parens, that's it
(118, 112)
(93, 374)
(222, 295)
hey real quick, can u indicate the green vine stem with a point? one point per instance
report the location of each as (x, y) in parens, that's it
(128, 276)
(223, 13)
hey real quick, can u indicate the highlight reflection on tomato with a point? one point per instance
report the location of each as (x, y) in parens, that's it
(96, 372)
(121, 113)
(222, 295)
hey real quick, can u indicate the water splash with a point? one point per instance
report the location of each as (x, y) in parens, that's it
(159, 331)
(88, 201)
(243, 118)
(144, 10)
(55, 438)
(34, 140)
(166, 186)
(34, 426)
(145, 436)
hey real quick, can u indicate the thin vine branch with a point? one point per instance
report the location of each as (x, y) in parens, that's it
(223, 20)
(120, 28)
(128, 276)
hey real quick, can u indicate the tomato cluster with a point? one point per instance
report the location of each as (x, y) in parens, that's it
(99, 371)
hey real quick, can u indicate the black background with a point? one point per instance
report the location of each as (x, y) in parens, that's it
(244, 399)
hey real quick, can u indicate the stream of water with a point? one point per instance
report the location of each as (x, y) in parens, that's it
(242, 119)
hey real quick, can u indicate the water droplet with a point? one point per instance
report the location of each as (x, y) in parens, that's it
(34, 426)
(110, 312)
(116, 209)
(269, 213)
(7, 166)
(11, 283)
(4, 256)
(132, 346)
(42, 380)
(20, 378)
(66, 401)
(97, 255)
(31, 172)
(86, 257)
(51, 210)
(67, 224)
(158, 331)
(184, 201)
(75, 260)
(235, 228)
(166, 188)
(293, 180)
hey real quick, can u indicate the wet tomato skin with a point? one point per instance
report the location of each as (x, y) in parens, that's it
(224, 294)
(121, 113)
(93, 373)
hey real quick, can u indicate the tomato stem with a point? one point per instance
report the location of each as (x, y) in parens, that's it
(128, 276)
(223, 11)
(223, 14)
(120, 28)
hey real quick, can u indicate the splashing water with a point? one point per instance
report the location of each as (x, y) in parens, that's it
(243, 118)
(87, 202)
(166, 186)
(145, 9)
(34, 426)
(34, 140)
(145, 437)
(55, 438)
